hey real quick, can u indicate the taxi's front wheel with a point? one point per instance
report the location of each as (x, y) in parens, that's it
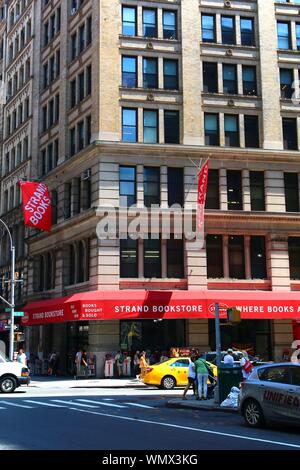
(168, 382)
(253, 414)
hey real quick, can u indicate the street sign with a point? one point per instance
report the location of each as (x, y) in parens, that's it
(7, 327)
(7, 310)
(19, 314)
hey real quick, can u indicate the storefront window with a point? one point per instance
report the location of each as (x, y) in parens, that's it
(152, 335)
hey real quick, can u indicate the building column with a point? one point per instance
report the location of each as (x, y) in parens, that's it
(282, 338)
(223, 189)
(108, 264)
(272, 125)
(193, 132)
(197, 334)
(246, 190)
(274, 191)
(278, 262)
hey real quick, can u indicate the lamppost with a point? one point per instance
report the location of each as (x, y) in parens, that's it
(12, 302)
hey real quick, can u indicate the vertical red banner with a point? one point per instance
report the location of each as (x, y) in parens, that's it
(37, 206)
(202, 188)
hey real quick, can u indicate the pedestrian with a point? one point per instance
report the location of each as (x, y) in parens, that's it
(143, 363)
(202, 377)
(119, 359)
(247, 366)
(136, 364)
(228, 358)
(77, 362)
(21, 357)
(191, 377)
(52, 364)
(84, 364)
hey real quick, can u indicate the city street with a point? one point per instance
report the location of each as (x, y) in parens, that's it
(57, 416)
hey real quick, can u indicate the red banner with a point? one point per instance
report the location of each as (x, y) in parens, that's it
(37, 207)
(127, 305)
(202, 187)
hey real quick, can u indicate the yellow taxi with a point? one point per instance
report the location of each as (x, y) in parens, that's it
(170, 373)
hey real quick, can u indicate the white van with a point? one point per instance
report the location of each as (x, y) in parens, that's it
(12, 375)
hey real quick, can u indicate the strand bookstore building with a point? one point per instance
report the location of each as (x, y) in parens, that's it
(109, 320)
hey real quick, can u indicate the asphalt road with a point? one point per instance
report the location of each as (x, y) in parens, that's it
(126, 420)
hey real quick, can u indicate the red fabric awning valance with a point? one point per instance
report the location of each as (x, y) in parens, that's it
(141, 304)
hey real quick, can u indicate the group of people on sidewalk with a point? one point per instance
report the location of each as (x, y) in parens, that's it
(200, 372)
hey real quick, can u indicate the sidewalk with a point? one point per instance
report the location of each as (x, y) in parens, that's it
(192, 403)
(66, 382)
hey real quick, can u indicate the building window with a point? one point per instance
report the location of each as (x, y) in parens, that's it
(251, 131)
(152, 258)
(286, 83)
(213, 194)
(129, 21)
(129, 125)
(247, 32)
(257, 190)
(127, 186)
(169, 24)
(284, 35)
(290, 138)
(228, 29)
(175, 186)
(214, 256)
(236, 257)
(150, 126)
(229, 79)
(294, 257)
(149, 23)
(298, 36)
(128, 258)
(171, 127)
(208, 28)
(211, 124)
(258, 258)
(151, 186)
(249, 80)
(129, 72)
(291, 189)
(210, 77)
(232, 135)
(170, 74)
(234, 190)
(150, 75)
(175, 262)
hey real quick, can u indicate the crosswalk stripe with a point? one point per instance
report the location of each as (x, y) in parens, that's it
(73, 403)
(43, 403)
(102, 403)
(139, 405)
(14, 404)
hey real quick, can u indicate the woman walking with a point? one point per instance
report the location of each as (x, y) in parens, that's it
(202, 377)
(191, 377)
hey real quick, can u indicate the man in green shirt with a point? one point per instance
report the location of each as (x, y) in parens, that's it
(202, 377)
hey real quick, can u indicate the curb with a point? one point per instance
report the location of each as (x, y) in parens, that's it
(172, 404)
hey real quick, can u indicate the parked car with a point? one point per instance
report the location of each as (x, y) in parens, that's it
(272, 393)
(12, 375)
(170, 373)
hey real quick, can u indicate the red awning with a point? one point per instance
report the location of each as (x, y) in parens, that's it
(141, 304)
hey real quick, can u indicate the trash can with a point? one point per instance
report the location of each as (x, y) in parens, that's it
(228, 376)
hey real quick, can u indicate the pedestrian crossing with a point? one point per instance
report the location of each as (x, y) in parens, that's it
(84, 403)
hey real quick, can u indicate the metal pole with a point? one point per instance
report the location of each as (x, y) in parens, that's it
(218, 345)
(12, 318)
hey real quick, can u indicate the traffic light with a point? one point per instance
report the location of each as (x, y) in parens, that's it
(233, 315)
